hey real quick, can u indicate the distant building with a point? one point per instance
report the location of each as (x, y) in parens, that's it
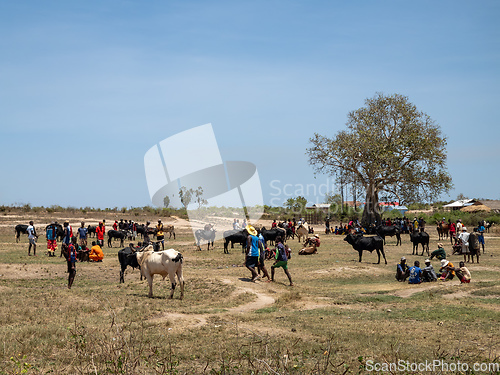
(493, 205)
(457, 205)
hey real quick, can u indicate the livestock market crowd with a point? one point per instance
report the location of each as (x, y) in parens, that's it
(255, 244)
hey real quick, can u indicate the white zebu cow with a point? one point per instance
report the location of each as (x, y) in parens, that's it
(166, 262)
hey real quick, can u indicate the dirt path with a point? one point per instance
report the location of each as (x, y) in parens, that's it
(184, 321)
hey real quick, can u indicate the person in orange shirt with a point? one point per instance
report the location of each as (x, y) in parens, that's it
(96, 254)
(100, 231)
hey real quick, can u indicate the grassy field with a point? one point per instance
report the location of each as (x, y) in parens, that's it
(340, 316)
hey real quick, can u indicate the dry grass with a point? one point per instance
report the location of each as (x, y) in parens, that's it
(340, 314)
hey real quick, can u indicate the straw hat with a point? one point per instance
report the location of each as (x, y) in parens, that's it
(444, 262)
(251, 230)
(440, 244)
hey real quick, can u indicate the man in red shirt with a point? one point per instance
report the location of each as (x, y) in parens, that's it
(99, 231)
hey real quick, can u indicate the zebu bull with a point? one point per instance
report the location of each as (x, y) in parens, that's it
(20, 229)
(118, 234)
(207, 234)
(127, 257)
(270, 235)
(301, 231)
(166, 262)
(235, 236)
(360, 243)
(389, 230)
(417, 238)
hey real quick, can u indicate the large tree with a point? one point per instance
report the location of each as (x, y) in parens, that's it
(389, 146)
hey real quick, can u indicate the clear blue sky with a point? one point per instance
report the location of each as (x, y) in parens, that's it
(86, 88)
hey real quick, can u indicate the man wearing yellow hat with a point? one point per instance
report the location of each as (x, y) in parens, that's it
(254, 248)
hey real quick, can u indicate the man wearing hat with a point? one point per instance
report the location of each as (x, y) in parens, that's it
(428, 273)
(254, 249)
(447, 269)
(439, 253)
(402, 270)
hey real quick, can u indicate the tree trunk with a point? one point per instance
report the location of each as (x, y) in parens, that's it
(371, 212)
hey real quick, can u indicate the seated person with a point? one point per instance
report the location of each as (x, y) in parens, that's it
(415, 274)
(447, 269)
(439, 253)
(402, 270)
(83, 253)
(428, 273)
(463, 273)
(96, 254)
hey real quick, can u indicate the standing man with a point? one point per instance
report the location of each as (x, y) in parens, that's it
(31, 238)
(146, 233)
(474, 245)
(99, 231)
(480, 234)
(160, 236)
(254, 248)
(463, 239)
(51, 234)
(68, 234)
(82, 234)
(327, 225)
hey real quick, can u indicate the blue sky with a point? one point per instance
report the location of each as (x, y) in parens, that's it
(86, 88)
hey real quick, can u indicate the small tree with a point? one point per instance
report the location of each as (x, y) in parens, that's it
(185, 195)
(166, 201)
(198, 193)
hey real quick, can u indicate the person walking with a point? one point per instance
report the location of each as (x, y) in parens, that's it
(71, 257)
(31, 238)
(281, 260)
(254, 248)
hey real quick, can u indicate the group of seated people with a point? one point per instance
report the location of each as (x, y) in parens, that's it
(447, 271)
(83, 253)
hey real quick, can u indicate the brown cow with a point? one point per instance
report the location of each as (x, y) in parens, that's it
(443, 229)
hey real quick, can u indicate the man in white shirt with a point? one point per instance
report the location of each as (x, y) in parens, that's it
(31, 238)
(463, 238)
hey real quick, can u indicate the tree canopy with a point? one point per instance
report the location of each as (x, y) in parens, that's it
(389, 146)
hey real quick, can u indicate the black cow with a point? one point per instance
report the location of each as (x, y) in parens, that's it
(119, 234)
(389, 230)
(360, 243)
(271, 234)
(127, 257)
(235, 236)
(419, 237)
(205, 234)
(289, 232)
(91, 230)
(20, 229)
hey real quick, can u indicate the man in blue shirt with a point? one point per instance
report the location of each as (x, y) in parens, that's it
(415, 274)
(82, 234)
(254, 249)
(480, 237)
